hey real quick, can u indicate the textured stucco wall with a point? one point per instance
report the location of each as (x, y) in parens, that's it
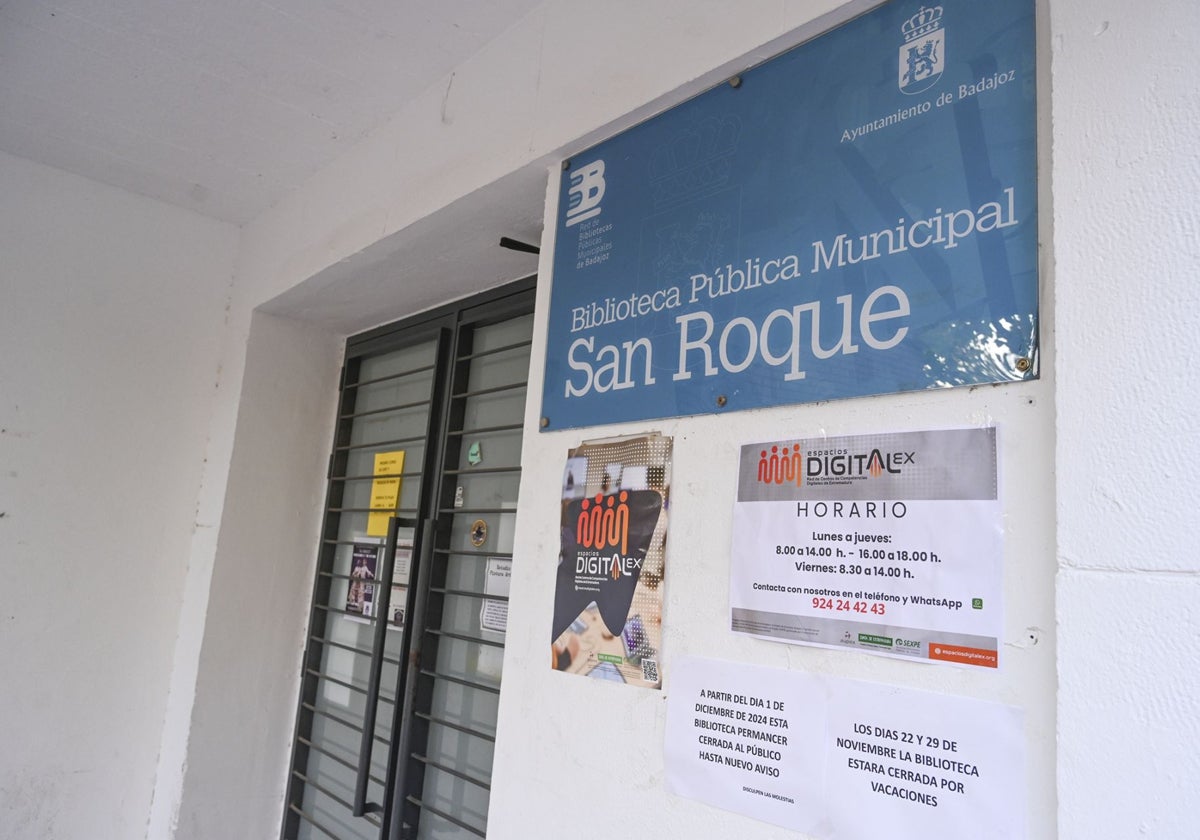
(112, 311)
(1126, 174)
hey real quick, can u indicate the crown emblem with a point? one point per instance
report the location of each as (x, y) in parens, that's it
(926, 20)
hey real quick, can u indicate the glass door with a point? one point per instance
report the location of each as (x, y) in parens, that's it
(445, 767)
(397, 712)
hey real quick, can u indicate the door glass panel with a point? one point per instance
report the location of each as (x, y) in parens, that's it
(388, 412)
(484, 471)
(331, 818)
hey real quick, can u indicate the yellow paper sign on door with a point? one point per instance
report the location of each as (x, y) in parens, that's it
(385, 492)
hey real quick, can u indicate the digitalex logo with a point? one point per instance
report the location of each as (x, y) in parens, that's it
(604, 528)
(605, 540)
(585, 192)
(923, 54)
(778, 468)
(840, 466)
(791, 466)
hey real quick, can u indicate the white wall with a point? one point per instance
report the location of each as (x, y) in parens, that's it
(1127, 245)
(112, 311)
(1108, 720)
(260, 590)
(564, 741)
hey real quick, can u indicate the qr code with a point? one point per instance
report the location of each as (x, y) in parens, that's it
(650, 670)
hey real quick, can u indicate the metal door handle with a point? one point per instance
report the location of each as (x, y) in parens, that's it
(370, 712)
(423, 554)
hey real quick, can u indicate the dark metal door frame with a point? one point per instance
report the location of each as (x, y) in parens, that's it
(452, 327)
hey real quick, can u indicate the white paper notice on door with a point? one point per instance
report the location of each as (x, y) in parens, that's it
(844, 759)
(493, 615)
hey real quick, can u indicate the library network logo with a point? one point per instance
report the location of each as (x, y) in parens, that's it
(923, 53)
(585, 192)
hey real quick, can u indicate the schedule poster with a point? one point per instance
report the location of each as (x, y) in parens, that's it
(385, 491)
(612, 561)
(844, 759)
(887, 543)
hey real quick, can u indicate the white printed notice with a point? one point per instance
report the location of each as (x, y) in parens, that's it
(843, 759)
(493, 614)
(887, 543)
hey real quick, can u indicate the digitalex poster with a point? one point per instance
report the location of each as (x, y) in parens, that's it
(608, 592)
(889, 544)
(855, 216)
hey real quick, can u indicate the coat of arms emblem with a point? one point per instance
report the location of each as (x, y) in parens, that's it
(923, 54)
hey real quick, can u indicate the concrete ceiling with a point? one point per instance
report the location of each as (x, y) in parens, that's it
(221, 106)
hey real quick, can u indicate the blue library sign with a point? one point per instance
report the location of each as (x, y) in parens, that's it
(855, 216)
